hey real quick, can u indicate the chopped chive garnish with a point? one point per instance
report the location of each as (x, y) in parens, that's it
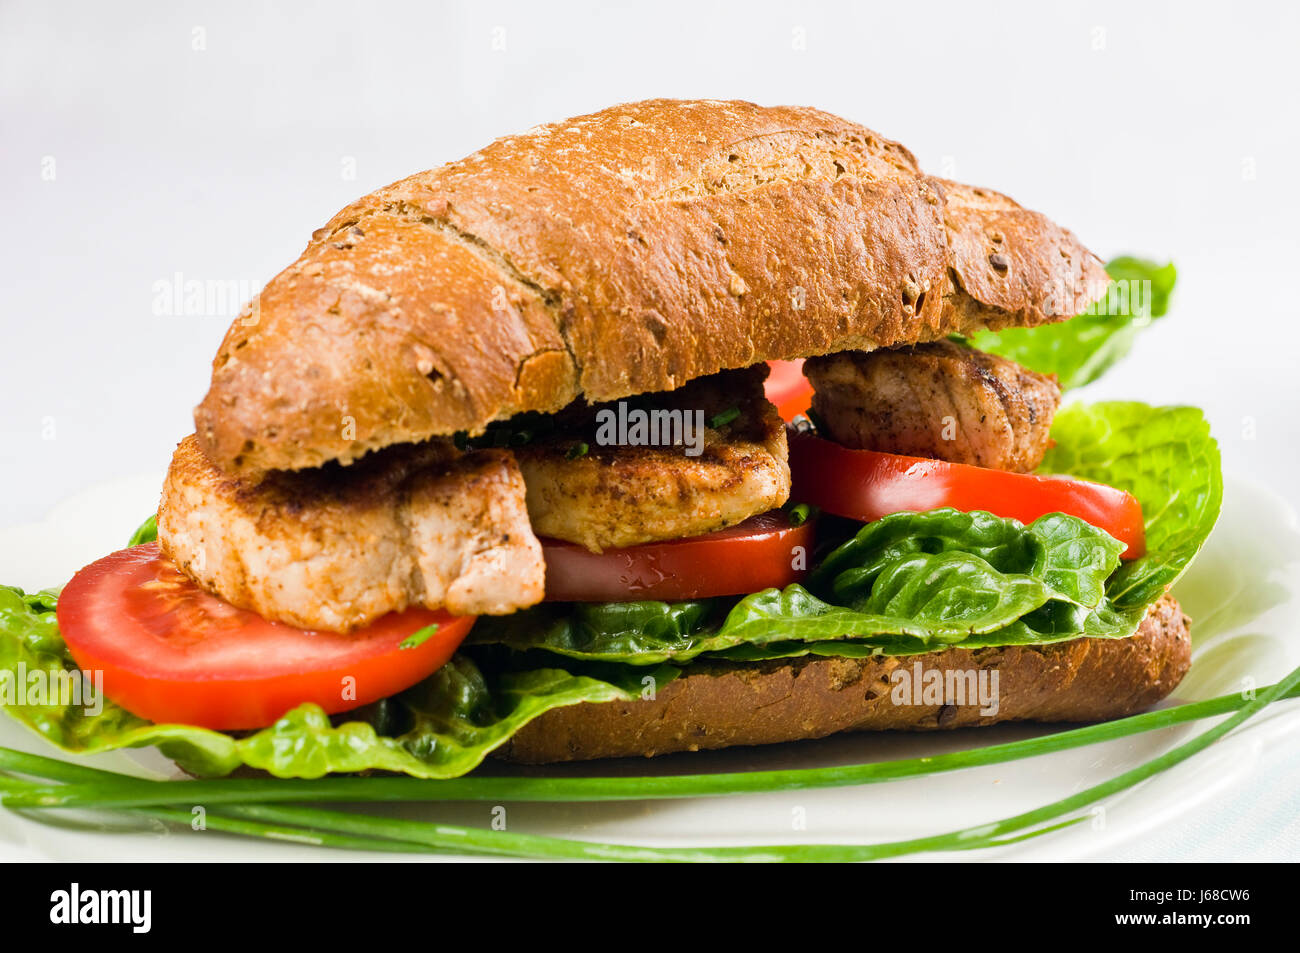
(724, 418)
(815, 419)
(577, 450)
(520, 437)
(800, 513)
(460, 440)
(418, 637)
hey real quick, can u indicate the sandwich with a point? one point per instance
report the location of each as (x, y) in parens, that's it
(677, 426)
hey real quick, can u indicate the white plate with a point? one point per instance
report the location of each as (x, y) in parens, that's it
(1241, 593)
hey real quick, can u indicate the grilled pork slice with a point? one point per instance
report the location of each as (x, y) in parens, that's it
(940, 400)
(337, 547)
(730, 464)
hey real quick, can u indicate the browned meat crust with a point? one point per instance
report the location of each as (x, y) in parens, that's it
(337, 547)
(940, 400)
(615, 496)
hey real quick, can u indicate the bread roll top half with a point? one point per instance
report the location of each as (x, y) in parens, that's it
(623, 252)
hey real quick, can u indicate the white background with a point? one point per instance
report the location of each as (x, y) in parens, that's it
(210, 139)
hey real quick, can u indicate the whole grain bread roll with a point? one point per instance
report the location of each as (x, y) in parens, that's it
(720, 704)
(623, 252)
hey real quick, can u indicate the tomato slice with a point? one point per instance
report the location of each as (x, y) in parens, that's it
(866, 485)
(788, 388)
(171, 652)
(762, 552)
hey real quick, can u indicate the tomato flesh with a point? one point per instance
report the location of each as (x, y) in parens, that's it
(172, 653)
(760, 553)
(788, 388)
(867, 485)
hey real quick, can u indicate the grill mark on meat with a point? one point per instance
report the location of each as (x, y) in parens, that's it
(896, 400)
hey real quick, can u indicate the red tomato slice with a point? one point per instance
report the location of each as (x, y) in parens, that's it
(866, 485)
(788, 388)
(171, 652)
(761, 552)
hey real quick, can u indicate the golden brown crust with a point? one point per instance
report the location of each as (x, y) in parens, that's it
(386, 331)
(1013, 265)
(623, 252)
(718, 705)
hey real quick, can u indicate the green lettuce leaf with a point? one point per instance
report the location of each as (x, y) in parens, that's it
(1071, 558)
(1080, 350)
(1165, 457)
(650, 632)
(147, 532)
(440, 728)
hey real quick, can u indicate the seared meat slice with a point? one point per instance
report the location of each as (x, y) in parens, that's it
(616, 496)
(337, 547)
(940, 400)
